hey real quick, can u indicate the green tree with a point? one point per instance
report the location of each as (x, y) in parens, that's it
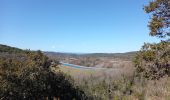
(153, 60)
(27, 75)
(160, 17)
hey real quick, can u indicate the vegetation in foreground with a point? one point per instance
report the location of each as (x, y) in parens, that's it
(122, 84)
(27, 75)
(153, 61)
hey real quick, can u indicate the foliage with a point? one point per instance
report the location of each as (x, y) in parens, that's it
(153, 61)
(4, 48)
(104, 89)
(27, 75)
(160, 21)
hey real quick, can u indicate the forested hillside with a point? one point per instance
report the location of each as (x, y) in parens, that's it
(127, 55)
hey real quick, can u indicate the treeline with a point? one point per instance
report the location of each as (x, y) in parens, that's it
(123, 56)
(27, 75)
(5, 48)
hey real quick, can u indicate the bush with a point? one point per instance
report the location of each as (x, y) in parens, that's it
(27, 75)
(153, 61)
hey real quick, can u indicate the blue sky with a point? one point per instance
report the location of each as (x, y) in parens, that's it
(80, 26)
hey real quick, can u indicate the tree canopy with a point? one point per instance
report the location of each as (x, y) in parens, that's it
(160, 18)
(153, 60)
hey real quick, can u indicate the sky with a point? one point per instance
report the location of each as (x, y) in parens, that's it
(77, 26)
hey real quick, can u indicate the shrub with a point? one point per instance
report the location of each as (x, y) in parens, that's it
(153, 61)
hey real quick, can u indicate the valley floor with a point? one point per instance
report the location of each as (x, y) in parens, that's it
(118, 84)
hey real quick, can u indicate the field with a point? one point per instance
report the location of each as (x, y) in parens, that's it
(114, 73)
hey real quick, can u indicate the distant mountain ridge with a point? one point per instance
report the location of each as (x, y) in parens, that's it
(127, 54)
(9, 49)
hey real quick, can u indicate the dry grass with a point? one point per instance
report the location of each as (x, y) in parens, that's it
(76, 72)
(159, 89)
(152, 89)
(142, 89)
(110, 73)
